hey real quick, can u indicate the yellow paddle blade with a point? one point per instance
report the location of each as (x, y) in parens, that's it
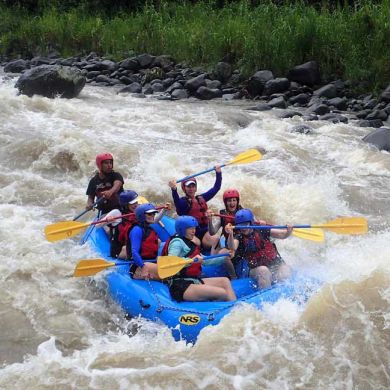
(62, 230)
(249, 156)
(170, 265)
(346, 225)
(310, 234)
(91, 267)
(142, 200)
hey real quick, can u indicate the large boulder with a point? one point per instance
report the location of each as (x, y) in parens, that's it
(256, 83)
(51, 81)
(379, 138)
(307, 73)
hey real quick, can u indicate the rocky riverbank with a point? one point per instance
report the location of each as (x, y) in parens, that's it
(300, 93)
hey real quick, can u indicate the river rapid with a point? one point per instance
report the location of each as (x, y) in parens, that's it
(62, 332)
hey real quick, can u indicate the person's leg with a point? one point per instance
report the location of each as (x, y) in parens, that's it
(203, 292)
(262, 275)
(224, 283)
(283, 272)
(228, 264)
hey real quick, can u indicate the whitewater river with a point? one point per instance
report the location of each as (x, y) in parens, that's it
(61, 332)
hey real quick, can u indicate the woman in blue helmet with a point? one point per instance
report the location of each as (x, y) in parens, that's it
(255, 246)
(187, 285)
(143, 243)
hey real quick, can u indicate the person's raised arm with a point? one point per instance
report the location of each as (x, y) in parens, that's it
(217, 185)
(181, 204)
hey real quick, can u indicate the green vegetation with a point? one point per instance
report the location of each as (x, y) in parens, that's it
(348, 42)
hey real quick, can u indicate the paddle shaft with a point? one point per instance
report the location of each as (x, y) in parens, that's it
(199, 173)
(184, 262)
(86, 211)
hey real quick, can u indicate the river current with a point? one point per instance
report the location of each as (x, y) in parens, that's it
(61, 332)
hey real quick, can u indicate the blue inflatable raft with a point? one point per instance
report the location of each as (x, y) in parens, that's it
(152, 300)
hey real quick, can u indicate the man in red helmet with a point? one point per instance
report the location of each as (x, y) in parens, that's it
(105, 186)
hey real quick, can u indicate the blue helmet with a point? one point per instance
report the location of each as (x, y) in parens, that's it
(127, 197)
(183, 223)
(244, 216)
(142, 209)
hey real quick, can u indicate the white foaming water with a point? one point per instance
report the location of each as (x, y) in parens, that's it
(61, 331)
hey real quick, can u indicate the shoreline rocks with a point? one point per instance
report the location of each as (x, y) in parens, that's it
(300, 92)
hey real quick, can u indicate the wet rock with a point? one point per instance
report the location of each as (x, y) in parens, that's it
(339, 103)
(318, 108)
(165, 62)
(302, 129)
(301, 99)
(334, 118)
(16, 66)
(213, 84)
(130, 64)
(377, 114)
(179, 94)
(380, 138)
(205, 93)
(256, 83)
(260, 107)
(278, 102)
(385, 96)
(196, 82)
(289, 114)
(132, 88)
(276, 85)
(370, 123)
(328, 91)
(145, 60)
(223, 71)
(51, 81)
(307, 73)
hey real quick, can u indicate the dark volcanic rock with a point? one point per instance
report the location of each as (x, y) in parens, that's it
(51, 81)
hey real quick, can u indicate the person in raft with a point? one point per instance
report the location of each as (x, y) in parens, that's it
(120, 227)
(255, 246)
(105, 185)
(231, 199)
(196, 205)
(187, 285)
(143, 243)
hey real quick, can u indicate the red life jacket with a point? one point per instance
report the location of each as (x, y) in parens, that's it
(256, 250)
(124, 228)
(194, 269)
(198, 207)
(149, 245)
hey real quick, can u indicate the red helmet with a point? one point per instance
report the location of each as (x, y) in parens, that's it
(187, 182)
(102, 157)
(231, 193)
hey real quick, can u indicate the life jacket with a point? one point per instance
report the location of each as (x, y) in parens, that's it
(225, 221)
(194, 269)
(124, 228)
(149, 245)
(105, 185)
(256, 250)
(198, 208)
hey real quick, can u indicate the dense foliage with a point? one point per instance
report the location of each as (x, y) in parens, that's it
(349, 41)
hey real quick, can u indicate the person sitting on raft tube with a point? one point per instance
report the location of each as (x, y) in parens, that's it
(187, 284)
(254, 246)
(231, 199)
(120, 227)
(106, 185)
(143, 243)
(195, 205)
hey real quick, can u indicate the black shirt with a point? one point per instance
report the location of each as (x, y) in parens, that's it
(97, 185)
